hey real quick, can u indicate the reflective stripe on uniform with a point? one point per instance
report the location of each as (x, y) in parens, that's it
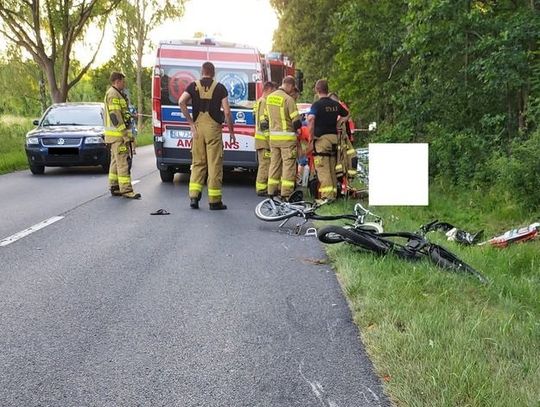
(259, 136)
(124, 179)
(282, 136)
(351, 172)
(327, 189)
(259, 186)
(287, 183)
(214, 192)
(273, 181)
(113, 177)
(294, 114)
(114, 133)
(339, 167)
(351, 151)
(193, 186)
(273, 100)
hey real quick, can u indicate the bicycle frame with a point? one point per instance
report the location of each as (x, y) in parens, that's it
(307, 211)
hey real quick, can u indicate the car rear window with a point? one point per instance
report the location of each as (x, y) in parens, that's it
(74, 116)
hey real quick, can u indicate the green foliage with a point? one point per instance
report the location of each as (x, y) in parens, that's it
(19, 86)
(305, 33)
(461, 75)
(12, 135)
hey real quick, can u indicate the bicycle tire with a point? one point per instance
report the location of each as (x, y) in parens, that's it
(445, 259)
(358, 237)
(331, 234)
(269, 210)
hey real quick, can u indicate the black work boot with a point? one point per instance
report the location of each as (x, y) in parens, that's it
(217, 206)
(132, 195)
(115, 191)
(194, 203)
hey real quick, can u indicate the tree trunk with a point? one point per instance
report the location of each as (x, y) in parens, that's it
(140, 107)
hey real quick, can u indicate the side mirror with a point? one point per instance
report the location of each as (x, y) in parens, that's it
(35, 122)
(252, 93)
(299, 76)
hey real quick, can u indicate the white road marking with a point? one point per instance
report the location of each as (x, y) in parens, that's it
(31, 229)
(136, 182)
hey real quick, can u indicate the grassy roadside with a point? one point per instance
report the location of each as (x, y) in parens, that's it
(440, 339)
(12, 134)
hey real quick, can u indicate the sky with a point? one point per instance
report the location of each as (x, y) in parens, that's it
(250, 22)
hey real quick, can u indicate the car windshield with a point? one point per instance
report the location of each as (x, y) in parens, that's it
(74, 116)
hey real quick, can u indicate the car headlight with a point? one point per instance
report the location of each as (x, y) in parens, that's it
(32, 140)
(94, 140)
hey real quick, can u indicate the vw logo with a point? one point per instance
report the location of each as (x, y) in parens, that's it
(61, 141)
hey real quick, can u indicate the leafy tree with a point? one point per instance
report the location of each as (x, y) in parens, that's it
(135, 20)
(48, 30)
(19, 85)
(305, 33)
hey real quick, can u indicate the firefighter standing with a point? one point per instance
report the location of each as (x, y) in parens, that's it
(119, 138)
(284, 120)
(261, 139)
(207, 98)
(323, 121)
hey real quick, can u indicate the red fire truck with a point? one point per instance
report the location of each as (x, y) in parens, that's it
(243, 71)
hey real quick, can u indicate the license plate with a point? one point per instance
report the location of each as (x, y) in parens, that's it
(179, 134)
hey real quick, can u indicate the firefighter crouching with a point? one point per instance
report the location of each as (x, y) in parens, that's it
(284, 120)
(262, 144)
(119, 138)
(323, 121)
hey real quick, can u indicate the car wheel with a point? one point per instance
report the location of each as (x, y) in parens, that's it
(37, 169)
(166, 175)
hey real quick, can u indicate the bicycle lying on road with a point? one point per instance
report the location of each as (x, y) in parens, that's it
(273, 210)
(405, 245)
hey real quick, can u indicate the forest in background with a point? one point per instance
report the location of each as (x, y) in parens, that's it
(461, 75)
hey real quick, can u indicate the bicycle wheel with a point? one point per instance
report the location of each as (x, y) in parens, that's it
(270, 210)
(358, 237)
(445, 259)
(331, 234)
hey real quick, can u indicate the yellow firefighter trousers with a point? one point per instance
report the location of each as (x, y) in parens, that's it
(207, 158)
(119, 170)
(282, 168)
(263, 156)
(326, 165)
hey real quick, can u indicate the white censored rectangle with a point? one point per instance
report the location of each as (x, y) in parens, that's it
(399, 174)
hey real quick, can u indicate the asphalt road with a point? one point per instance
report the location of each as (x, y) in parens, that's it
(110, 306)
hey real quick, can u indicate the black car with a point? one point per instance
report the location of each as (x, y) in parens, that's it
(68, 134)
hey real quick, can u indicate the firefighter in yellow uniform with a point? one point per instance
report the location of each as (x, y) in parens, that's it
(323, 127)
(284, 121)
(207, 97)
(261, 139)
(119, 138)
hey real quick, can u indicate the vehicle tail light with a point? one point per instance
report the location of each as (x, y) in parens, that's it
(156, 102)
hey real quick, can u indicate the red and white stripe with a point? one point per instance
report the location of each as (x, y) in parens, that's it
(187, 55)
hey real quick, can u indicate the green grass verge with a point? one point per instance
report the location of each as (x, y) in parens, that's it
(12, 133)
(442, 339)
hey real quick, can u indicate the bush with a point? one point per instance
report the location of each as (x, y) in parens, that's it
(519, 173)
